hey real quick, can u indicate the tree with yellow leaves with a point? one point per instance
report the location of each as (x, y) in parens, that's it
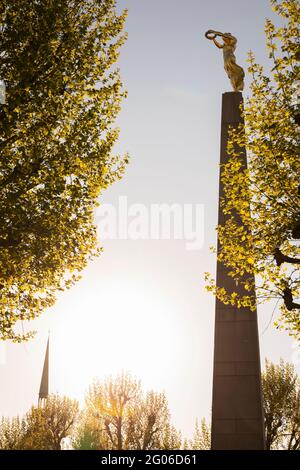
(265, 197)
(56, 137)
(201, 437)
(281, 392)
(42, 428)
(119, 415)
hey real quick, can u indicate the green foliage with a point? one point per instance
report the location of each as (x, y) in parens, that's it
(266, 195)
(56, 139)
(119, 415)
(42, 427)
(281, 390)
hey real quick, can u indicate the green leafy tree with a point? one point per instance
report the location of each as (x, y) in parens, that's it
(118, 415)
(265, 197)
(281, 391)
(56, 137)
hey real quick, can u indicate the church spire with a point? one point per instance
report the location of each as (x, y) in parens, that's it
(44, 387)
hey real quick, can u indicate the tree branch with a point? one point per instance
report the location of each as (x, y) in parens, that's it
(280, 258)
(289, 301)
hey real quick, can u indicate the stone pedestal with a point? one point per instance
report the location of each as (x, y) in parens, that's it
(237, 414)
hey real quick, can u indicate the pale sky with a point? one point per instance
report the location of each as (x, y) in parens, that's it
(142, 305)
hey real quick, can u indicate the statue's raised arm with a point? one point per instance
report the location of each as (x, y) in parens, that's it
(235, 73)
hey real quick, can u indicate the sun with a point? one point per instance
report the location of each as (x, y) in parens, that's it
(122, 327)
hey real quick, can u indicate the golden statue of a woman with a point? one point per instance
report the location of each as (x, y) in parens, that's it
(235, 73)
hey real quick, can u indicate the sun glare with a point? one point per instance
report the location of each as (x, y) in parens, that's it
(124, 327)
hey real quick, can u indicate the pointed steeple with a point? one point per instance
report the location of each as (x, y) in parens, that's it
(44, 387)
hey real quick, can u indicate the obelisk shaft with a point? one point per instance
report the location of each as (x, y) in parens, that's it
(237, 413)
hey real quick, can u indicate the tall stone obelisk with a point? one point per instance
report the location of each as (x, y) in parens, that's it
(237, 414)
(237, 411)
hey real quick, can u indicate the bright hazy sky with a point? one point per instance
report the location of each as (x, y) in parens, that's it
(142, 306)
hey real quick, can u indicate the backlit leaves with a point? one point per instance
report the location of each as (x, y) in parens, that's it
(56, 140)
(266, 196)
